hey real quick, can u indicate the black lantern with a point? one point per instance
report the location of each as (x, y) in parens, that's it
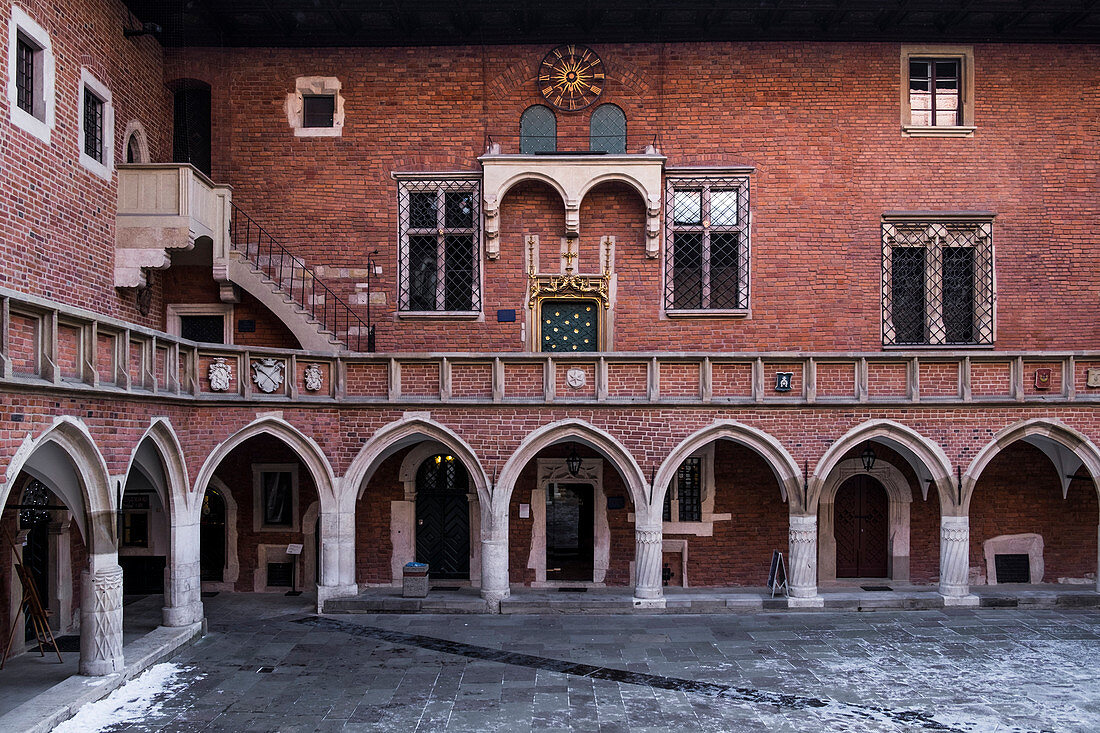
(868, 458)
(573, 460)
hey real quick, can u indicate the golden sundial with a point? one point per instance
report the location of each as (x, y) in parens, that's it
(571, 77)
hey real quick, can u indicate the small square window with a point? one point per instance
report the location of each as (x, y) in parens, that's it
(937, 91)
(318, 110)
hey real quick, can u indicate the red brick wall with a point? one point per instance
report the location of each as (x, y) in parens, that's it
(57, 236)
(818, 189)
(196, 285)
(1018, 492)
(373, 545)
(236, 472)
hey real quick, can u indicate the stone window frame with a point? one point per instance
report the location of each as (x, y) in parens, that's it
(258, 470)
(708, 489)
(89, 84)
(315, 86)
(708, 178)
(441, 184)
(173, 311)
(136, 131)
(985, 291)
(41, 122)
(965, 56)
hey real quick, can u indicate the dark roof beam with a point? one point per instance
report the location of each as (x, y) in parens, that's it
(1064, 21)
(285, 24)
(221, 24)
(342, 20)
(768, 18)
(829, 19)
(891, 18)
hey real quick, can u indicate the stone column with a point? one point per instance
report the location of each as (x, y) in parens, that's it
(61, 573)
(101, 618)
(955, 562)
(494, 559)
(648, 563)
(182, 577)
(337, 557)
(802, 563)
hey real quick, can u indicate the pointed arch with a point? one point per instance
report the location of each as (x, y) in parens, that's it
(581, 432)
(66, 459)
(401, 434)
(767, 447)
(925, 456)
(303, 446)
(162, 436)
(1067, 449)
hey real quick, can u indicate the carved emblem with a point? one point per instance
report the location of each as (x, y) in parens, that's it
(267, 374)
(314, 377)
(575, 378)
(220, 375)
(1042, 378)
(783, 381)
(1093, 378)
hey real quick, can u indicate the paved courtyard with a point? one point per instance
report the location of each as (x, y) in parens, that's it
(269, 665)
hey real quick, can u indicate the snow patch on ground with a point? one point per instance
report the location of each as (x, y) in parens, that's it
(139, 698)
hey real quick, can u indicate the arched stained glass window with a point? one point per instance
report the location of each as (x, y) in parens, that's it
(607, 130)
(538, 130)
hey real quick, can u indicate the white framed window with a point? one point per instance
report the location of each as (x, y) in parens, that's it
(210, 323)
(97, 126)
(938, 286)
(706, 245)
(316, 108)
(275, 497)
(440, 242)
(937, 91)
(31, 75)
(689, 500)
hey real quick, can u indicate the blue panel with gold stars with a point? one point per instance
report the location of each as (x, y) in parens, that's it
(569, 325)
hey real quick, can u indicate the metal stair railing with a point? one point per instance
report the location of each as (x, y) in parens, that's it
(295, 279)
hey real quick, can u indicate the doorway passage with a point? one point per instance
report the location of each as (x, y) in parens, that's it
(443, 518)
(569, 532)
(862, 517)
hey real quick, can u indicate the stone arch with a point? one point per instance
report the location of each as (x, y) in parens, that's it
(581, 432)
(925, 456)
(1067, 449)
(401, 434)
(231, 572)
(162, 436)
(529, 175)
(136, 131)
(900, 497)
(65, 458)
(303, 446)
(614, 176)
(771, 450)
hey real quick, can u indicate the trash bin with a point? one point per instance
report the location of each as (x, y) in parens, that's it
(414, 580)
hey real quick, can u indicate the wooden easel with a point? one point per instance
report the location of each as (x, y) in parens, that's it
(32, 607)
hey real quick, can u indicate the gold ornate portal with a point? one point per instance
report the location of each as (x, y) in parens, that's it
(569, 310)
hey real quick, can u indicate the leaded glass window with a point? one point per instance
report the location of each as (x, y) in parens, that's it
(607, 130)
(440, 236)
(707, 244)
(937, 283)
(538, 130)
(684, 499)
(24, 74)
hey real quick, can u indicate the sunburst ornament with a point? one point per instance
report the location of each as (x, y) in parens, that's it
(571, 77)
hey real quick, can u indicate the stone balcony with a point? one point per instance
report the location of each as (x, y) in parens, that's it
(164, 207)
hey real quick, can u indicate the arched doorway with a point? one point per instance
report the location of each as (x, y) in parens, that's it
(212, 537)
(443, 517)
(862, 519)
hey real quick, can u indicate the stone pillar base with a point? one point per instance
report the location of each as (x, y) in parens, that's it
(649, 602)
(324, 592)
(965, 601)
(806, 602)
(192, 613)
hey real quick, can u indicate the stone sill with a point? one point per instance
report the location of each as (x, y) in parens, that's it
(439, 315)
(945, 131)
(710, 313)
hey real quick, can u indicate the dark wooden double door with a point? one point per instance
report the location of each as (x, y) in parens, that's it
(443, 518)
(862, 514)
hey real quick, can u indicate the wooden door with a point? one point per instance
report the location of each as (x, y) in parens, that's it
(212, 537)
(443, 518)
(861, 512)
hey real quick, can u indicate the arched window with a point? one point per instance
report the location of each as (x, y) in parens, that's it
(607, 130)
(538, 130)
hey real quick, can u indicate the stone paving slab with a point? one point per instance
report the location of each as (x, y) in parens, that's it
(977, 669)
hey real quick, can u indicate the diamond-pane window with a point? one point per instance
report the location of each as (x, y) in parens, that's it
(538, 130)
(607, 130)
(707, 244)
(937, 282)
(440, 240)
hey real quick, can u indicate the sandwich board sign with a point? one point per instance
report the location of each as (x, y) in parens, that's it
(777, 574)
